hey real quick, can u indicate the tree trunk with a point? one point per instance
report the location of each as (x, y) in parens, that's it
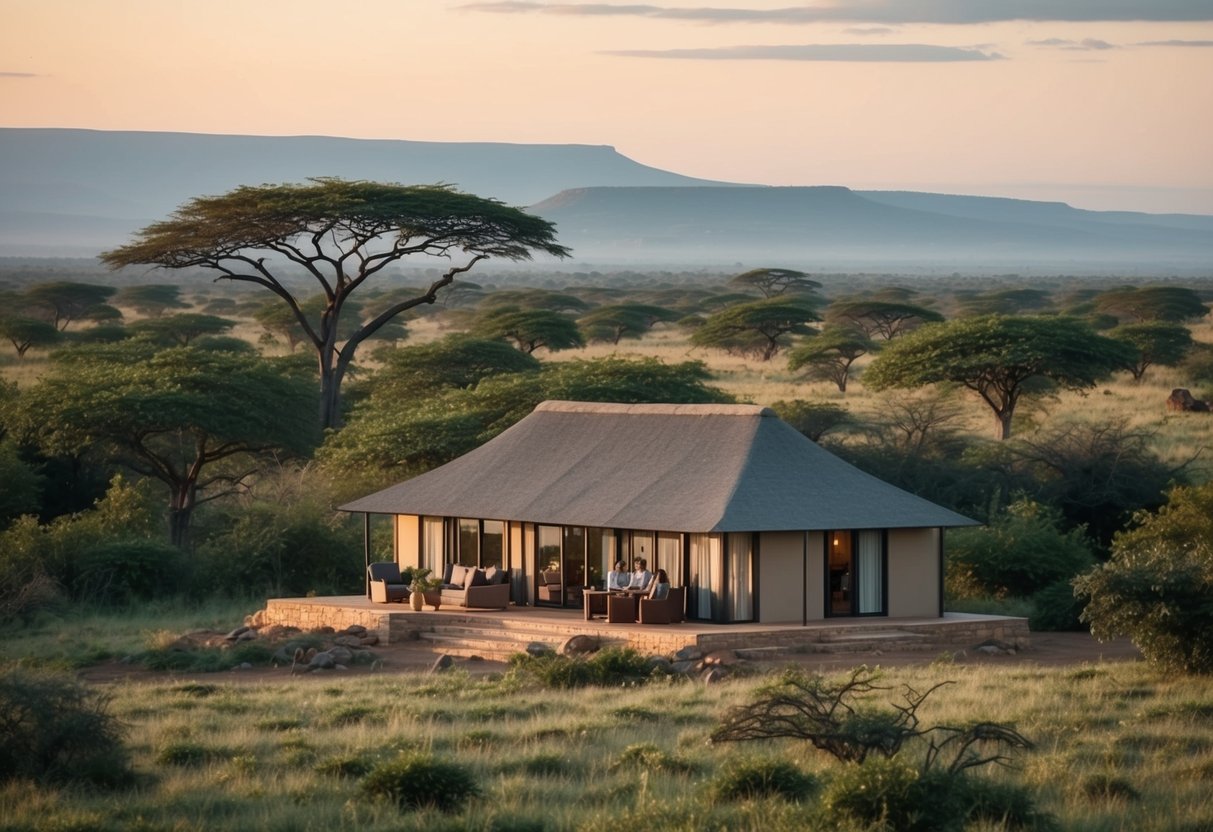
(181, 508)
(1002, 422)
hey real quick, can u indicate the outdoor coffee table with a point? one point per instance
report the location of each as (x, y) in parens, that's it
(595, 602)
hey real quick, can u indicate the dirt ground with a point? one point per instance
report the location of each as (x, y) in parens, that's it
(1046, 650)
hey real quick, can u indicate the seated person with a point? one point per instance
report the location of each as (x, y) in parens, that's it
(660, 589)
(618, 578)
(640, 577)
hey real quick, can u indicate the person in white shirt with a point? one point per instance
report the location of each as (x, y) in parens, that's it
(640, 577)
(618, 578)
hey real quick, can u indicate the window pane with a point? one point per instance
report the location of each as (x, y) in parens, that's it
(869, 565)
(492, 544)
(574, 564)
(469, 542)
(599, 549)
(840, 573)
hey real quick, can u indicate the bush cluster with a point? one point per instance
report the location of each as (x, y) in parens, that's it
(612, 666)
(53, 729)
(419, 781)
(754, 778)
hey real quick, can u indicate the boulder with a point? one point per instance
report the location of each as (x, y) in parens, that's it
(322, 661)
(686, 666)
(369, 640)
(714, 674)
(348, 641)
(341, 654)
(354, 630)
(721, 657)
(256, 620)
(443, 662)
(579, 645)
(688, 654)
(658, 664)
(538, 648)
(1181, 400)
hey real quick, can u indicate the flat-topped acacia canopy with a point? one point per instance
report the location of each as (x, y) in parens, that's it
(340, 233)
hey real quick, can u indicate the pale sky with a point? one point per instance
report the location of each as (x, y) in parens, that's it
(1100, 103)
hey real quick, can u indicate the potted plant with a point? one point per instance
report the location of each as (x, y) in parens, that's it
(424, 589)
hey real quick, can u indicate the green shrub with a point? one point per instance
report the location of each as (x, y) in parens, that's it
(648, 757)
(612, 666)
(1056, 609)
(1157, 584)
(53, 729)
(187, 754)
(418, 781)
(893, 795)
(1020, 553)
(120, 572)
(346, 765)
(751, 779)
(1107, 787)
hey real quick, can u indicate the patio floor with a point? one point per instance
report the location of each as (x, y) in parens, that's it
(498, 633)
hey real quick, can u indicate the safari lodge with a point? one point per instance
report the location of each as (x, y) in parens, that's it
(754, 521)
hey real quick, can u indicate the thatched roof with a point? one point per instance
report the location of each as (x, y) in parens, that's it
(665, 467)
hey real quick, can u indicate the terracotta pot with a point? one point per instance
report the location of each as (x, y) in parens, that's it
(434, 598)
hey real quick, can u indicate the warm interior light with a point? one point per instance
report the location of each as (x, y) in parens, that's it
(835, 541)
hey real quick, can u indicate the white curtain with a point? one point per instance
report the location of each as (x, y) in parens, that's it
(669, 556)
(705, 572)
(741, 574)
(870, 563)
(433, 548)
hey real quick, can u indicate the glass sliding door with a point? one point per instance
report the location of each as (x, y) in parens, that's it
(573, 558)
(550, 577)
(599, 556)
(856, 573)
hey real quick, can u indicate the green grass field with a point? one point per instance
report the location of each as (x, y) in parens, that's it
(1118, 747)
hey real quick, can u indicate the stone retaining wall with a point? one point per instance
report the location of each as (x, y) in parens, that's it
(309, 615)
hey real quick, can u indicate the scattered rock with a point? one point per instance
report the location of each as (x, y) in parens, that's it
(443, 662)
(714, 674)
(348, 641)
(354, 630)
(369, 640)
(659, 664)
(322, 661)
(538, 648)
(309, 654)
(243, 666)
(685, 666)
(341, 654)
(256, 620)
(688, 654)
(723, 658)
(579, 645)
(994, 647)
(1182, 400)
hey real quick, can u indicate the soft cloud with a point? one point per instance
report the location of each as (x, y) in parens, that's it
(18, 75)
(869, 30)
(1084, 45)
(861, 52)
(884, 11)
(1185, 43)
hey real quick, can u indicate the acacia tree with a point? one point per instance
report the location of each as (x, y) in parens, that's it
(1151, 303)
(830, 354)
(530, 329)
(999, 358)
(1154, 342)
(340, 234)
(60, 302)
(624, 320)
(198, 421)
(760, 328)
(775, 282)
(24, 333)
(888, 319)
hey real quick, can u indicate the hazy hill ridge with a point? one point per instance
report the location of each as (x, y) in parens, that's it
(76, 192)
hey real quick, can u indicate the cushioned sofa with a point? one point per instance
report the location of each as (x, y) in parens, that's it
(465, 586)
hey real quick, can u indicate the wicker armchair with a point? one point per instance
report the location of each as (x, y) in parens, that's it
(669, 610)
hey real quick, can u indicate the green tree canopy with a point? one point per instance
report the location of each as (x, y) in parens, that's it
(382, 442)
(813, 419)
(775, 282)
(759, 328)
(1157, 588)
(198, 421)
(456, 362)
(1152, 303)
(151, 299)
(340, 234)
(624, 320)
(60, 302)
(997, 357)
(530, 329)
(830, 354)
(1005, 302)
(26, 333)
(886, 319)
(180, 329)
(1155, 342)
